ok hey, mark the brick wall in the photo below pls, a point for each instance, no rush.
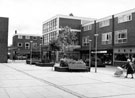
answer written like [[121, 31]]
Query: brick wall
[[3, 39]]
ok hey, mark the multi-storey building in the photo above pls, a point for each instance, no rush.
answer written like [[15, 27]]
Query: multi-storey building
[[115, 40], [24, 44], [3, 39], [113, 35], [54, 25]]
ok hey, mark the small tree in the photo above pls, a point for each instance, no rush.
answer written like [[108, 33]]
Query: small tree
[[54, 46], [66, 38]]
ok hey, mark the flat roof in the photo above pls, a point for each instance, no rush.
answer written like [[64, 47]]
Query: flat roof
[[69, 17], [28, 35]]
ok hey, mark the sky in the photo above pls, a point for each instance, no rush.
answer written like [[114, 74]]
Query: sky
[[27, 16]]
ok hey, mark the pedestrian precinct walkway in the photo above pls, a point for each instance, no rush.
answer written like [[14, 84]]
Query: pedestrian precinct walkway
[[19, 80]]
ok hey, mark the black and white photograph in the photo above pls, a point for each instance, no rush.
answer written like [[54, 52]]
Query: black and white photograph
[[67, 48]]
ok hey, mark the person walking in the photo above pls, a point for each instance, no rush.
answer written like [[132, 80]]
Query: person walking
[[130, 69]]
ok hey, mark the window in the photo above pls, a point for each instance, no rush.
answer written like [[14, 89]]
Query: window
[[85, 41], [120, 36], [27, 45], [104, 23], [27, 37], [88, 27], [20, 36], [35, 38], [125, 18], [19, 44], [107, 38], [34, 45]]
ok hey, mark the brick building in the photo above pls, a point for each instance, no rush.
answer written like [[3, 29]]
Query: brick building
[[115, 40], [24, 44], [53, 26], [3, 39]]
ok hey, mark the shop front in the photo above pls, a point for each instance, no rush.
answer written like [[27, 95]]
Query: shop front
[[122, 54]]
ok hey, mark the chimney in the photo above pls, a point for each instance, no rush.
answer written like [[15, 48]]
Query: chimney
[[15, 31], [71, 14]]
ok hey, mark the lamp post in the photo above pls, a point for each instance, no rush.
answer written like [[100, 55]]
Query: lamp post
[[96, 35], [90, 55], [40, 52], [31, 52]]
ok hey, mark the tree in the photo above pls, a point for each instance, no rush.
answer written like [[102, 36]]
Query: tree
[[54, 45], [66, 38]]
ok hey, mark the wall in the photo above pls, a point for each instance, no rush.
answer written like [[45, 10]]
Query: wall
[[3, 39]]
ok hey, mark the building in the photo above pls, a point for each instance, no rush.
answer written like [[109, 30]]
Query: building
[[115, 40], [23, 45], [53, 26], [3, 39], [112, 37]]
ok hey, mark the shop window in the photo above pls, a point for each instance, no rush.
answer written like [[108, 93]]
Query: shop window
[[121, 57]]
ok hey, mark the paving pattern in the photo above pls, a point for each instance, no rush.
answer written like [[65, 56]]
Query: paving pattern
[[19, 80]]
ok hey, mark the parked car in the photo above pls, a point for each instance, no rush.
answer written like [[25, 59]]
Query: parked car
[[99, 62]]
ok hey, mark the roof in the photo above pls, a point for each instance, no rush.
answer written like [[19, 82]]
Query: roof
[[28, 35], [70, 17]]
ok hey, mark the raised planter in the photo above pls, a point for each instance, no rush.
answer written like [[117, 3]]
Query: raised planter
[[44, 64], [33, 61], [78, 67], [61, 69]]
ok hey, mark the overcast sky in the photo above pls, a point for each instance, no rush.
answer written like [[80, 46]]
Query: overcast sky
[[27, 16]]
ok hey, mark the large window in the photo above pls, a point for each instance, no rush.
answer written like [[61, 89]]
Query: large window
[[124, 18], [120, 36], [85, 41], [107, 38], [50, 25], [88, 27], [104, 23]]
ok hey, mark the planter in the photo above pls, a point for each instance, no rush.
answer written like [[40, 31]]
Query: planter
[[33, 61], [44, 64]]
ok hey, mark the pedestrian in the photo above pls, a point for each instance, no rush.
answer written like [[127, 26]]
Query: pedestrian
[[130, 69]]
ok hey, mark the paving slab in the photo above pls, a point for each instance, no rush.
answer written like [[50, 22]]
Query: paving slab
[[43, 82]]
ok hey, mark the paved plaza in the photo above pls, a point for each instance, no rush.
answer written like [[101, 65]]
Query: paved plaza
[[19, 80]]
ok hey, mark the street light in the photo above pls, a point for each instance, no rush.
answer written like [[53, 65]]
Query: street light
[[31, 52], [40, 52], [90, 55], [96, 35]]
